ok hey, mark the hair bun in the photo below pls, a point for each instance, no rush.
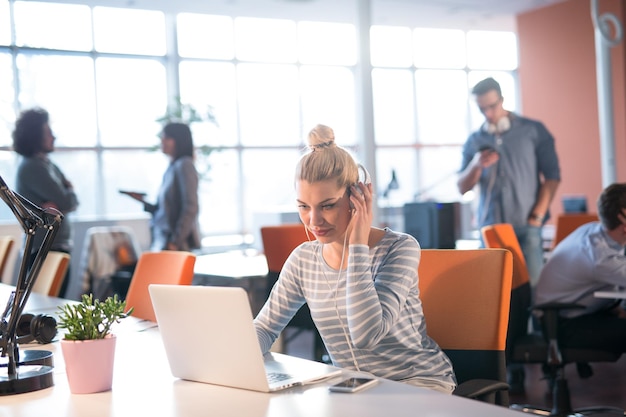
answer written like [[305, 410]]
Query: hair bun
[[321, 137]]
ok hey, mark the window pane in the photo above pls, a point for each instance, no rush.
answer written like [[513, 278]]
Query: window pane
[[205, 36], [128, 31], [438, 167], [438, 90], [80, 168], [405, 163], [131, 97], [265, 40], [269, 105], [327, 43], [391, 46], [54, 26], [5, 28], [268, 182], [328, 98], [7, 114], [8, 169], [45, 81], [220, 195], [509, 92], [204, 84], [430, 45], [394, 108], [130, 170], [482, 44]]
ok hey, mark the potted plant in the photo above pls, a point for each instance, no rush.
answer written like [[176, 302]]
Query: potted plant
[[88, 345]]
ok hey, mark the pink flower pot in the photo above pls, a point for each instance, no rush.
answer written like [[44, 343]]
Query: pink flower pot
[[89, 364]]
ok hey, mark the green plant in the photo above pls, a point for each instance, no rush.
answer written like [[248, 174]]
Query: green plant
[[91, 319], [181, 112]]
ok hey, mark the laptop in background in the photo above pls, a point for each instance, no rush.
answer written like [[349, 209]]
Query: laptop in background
[[209, 337]]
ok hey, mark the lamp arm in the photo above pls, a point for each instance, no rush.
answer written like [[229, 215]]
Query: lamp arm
[[34, 220]]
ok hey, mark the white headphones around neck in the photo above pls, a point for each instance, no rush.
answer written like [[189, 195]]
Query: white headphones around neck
[[502, 125]]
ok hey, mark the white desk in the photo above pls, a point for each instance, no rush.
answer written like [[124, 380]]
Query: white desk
[[235, 269], [143, 385], [610, 294]]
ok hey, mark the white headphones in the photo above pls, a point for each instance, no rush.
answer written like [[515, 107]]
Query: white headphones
[[502, 125]]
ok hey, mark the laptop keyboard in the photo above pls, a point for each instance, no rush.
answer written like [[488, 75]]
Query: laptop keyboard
[[273, 377]]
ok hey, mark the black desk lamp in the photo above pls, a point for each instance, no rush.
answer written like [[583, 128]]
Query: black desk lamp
[[393, 184], [33, 370]]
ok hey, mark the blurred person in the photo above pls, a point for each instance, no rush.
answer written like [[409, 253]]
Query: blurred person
[[591, 259], [514, 161], [174, 223], [40, 181]]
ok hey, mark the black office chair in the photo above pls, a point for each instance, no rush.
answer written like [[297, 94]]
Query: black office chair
[[548, 350]]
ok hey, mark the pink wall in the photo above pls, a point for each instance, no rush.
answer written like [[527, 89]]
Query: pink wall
[[559, 87]]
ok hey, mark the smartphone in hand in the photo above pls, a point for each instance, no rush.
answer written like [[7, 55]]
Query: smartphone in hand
[[353, 384]]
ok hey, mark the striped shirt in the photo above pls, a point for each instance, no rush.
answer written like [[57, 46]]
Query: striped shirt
[[374, 303]]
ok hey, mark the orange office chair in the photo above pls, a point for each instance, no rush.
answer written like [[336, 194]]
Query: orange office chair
[[465, 295], [165, 267], [278, 242], [568, 222], [503, 236], [52, 273]]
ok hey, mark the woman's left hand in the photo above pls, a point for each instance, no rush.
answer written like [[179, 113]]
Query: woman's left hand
[[361, 197]]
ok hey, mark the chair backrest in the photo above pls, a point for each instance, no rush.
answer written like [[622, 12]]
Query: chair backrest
[[52, 273], [279, 241], [465, 295], [566, 223], [6, 244], [165, 267], [106, 250], [502, 235]]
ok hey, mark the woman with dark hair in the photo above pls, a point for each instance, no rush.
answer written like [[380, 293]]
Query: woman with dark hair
[[41, 181], [175, 215]]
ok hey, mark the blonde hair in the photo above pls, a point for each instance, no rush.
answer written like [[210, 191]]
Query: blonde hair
[[325, 160]]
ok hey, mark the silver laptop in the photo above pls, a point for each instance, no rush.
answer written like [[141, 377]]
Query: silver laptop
[[209, 337]]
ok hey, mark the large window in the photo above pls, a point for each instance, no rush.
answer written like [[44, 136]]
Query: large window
[[266, 82]]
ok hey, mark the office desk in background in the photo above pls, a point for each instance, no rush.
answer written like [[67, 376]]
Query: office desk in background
[[610, 294], [143, 385], [246, 269]]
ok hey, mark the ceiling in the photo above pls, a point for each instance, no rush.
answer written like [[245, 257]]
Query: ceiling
[[461, 14]]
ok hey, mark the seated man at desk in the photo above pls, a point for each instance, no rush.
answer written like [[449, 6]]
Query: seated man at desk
[[591, 259]]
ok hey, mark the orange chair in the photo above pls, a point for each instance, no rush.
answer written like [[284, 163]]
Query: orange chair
[[52, 274], [465, 295], [502, 235], [568, 222], [165, 267], [278, 242]]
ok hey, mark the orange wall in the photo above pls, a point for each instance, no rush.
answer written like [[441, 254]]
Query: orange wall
[[558, 84]]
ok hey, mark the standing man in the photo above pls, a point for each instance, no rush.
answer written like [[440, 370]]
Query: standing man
[[514, 161]]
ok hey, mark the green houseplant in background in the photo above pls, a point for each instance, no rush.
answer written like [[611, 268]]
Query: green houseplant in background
[[88, 345]]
